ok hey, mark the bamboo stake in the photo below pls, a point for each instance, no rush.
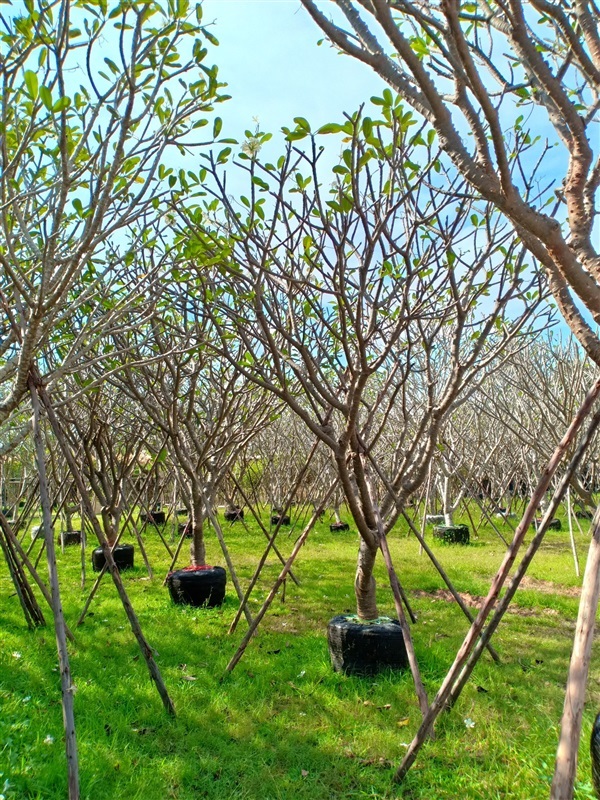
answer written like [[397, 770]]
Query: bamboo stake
[[527, 558], [571, 537], [282, 576], [272, 538], [217, 528], [34, 573], [462, 605], [395, 584], [570, 730], [470, 641], [67, 688], [145, 648], [276, 550]]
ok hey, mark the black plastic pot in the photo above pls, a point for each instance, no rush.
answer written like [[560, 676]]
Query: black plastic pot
[[234, 514], [339, 526], [198, 587], [67, 538], [553, 525], [185, 527], [154, 518], [122, 554], [595, 754], [452, 534], [365, 648], [276, 519]]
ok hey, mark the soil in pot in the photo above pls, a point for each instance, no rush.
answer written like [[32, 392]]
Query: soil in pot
[[452, 534], [122, 554], [198, 586], [67, 538], [365, 648], [339, 526]]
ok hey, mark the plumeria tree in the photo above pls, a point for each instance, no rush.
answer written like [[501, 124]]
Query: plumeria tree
[[511, 91], [372, 289]]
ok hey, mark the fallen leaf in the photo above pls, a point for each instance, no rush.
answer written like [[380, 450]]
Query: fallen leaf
[[386, 707], [189, 678], [402, 723], [304, 773]]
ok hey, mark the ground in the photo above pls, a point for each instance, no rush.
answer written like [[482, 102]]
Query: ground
[[283, 726]]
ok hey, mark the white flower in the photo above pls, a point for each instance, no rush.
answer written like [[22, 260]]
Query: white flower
[[469, 723], [16, 654], [26, 699], [49, 739], [302, 674]]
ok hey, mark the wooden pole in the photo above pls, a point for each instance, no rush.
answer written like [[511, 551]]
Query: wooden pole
[[145, 648], [67, 688], [475, 631], [571, 537], [565, 767], [282, 576]]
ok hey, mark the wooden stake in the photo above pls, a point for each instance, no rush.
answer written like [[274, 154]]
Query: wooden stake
[[474, 633], [570, 729], [145, 648], [67, 687]]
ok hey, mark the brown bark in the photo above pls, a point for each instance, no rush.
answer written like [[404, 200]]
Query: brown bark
[[364, 583]]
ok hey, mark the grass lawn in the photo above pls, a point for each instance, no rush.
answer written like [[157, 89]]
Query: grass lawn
[[283, 725]]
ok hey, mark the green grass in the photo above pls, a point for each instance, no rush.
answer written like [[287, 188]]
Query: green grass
[[283, 725]]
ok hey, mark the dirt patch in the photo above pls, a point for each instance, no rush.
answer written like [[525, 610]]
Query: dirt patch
[[547, 587], [476, 602]]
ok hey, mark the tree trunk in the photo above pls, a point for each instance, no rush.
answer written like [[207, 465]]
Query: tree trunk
[[109, 528], [570, 730], [197, 547], [364, 584], [447, 505]]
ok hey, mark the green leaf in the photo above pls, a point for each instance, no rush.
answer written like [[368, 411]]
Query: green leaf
[[223, 155], [302, 123], [331, 127], [61, 104], [31, 82], [46, 97], [217, 125]]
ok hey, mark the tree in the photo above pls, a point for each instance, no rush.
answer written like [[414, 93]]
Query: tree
[[487, 76], [82, 153], [366, 294], [82, 175]]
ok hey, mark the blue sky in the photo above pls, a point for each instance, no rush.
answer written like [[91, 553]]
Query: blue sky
[[268, 55]]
